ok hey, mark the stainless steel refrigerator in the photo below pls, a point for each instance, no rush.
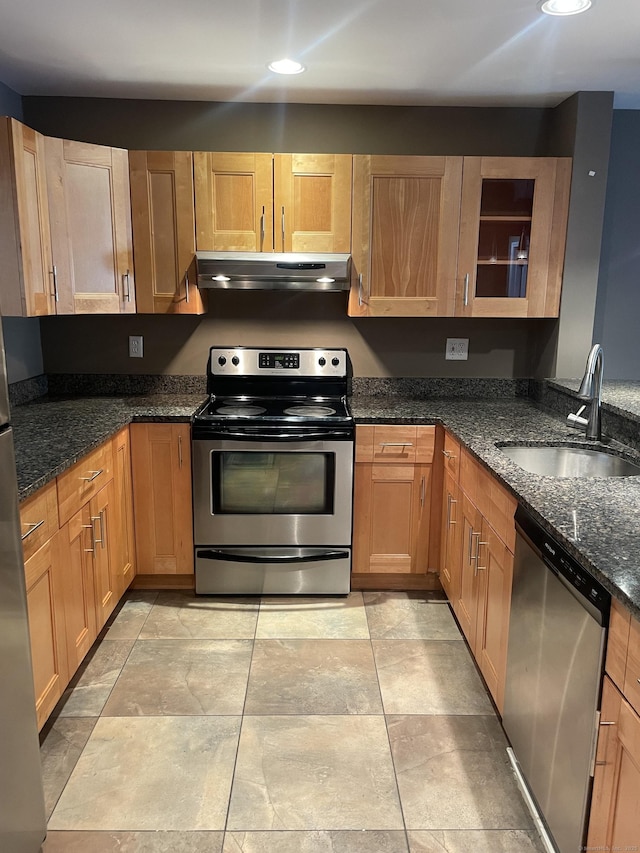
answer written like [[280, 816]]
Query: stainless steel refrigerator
[[22, 814]]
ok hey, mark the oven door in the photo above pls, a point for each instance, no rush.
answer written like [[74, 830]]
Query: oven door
[[272, 492]]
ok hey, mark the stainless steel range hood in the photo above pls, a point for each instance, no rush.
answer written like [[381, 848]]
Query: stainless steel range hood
[[273, 271]]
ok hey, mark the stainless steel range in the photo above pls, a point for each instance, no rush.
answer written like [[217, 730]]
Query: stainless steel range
[[273, 472]]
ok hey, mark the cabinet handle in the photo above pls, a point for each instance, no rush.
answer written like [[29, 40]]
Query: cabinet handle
[[262, 229], [360, 297], [127, 289], [93, 538], [422, 491], [449, 454], [475, 557], [186, 287], [450, 502], [33, 526], [466, 290], [283, 228], [478, 567], [54, 274], [97, 541], [471, 534], [93, 476], [103, 523], [603, 763], [180, 451], [396, 444]]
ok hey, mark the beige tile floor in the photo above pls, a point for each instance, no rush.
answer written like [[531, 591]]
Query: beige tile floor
[[282, 725]]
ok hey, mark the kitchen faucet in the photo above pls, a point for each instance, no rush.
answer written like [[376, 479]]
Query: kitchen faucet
[[591, 391]]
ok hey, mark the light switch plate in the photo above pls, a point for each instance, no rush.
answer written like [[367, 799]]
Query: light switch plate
[[457, 349]]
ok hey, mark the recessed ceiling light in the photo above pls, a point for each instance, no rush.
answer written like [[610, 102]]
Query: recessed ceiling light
[[286, 66], [564, 7]]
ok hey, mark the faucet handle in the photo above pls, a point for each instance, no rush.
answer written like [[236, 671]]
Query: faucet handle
[[576, 420]]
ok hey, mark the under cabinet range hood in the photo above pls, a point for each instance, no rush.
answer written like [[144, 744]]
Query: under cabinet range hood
[[273, 271]]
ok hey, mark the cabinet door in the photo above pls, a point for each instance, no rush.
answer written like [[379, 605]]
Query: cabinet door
[[76, 548], [90, 210], [466, 604], [234, 201], [405, 235], [614, 822], [161, 463], [103, 514], [164, 232], [46, 627], [495, 575], [391, 506], [450, 553], [25, 247], [513, 226], [312, 202], [123, 541]]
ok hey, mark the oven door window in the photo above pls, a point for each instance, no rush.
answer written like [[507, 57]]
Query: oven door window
[[278, 483]]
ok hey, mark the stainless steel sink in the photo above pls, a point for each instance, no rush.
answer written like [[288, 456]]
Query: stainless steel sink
[[570, 461]]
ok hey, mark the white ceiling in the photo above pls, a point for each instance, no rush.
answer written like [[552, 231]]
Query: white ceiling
[[411, 52]]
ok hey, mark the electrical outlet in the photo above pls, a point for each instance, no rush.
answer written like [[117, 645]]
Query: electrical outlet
[[135, 346], [457, 349]]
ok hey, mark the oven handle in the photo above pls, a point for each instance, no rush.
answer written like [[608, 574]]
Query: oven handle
[[247, 557], [282, 436]]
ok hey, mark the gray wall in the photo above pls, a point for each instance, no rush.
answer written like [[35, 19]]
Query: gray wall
[[396, 347], [618, 306], [21, 337]]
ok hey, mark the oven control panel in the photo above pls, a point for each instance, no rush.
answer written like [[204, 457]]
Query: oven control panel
[[246, 361]]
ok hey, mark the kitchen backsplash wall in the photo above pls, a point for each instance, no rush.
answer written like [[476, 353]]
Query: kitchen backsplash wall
[[378, 346]]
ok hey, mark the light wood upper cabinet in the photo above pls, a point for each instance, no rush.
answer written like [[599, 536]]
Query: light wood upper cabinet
[[161, 463], [405, 235], [25, 245], [234, 201], [164, 232], [513, 225], [90, 214], [253, 202], [312, 202]]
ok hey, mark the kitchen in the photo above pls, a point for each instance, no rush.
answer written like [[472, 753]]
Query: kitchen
[[378, 347]]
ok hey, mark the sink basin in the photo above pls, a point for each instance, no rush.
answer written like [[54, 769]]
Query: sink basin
[[570, 461]]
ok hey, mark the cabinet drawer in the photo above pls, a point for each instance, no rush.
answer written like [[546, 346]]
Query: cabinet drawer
[[84, 480], [632, 671], [386, 443], [451, 453], [38, 519]]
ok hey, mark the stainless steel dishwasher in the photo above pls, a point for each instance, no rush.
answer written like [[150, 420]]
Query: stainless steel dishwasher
[[555, 657]]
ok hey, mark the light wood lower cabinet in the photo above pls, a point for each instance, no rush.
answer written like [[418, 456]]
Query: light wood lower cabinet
[[161, 462], [614, 821], [123, 542], [476, 569], [76, 573], [45, 605], [392, 499], [78, 585]]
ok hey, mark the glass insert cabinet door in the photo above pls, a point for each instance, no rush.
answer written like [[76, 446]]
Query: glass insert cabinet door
[[512, 236]]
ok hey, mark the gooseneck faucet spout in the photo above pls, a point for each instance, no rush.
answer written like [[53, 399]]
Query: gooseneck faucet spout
[[591, 391]]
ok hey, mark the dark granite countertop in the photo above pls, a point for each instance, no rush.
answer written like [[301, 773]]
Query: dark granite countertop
[[595, 519], [50, 435]]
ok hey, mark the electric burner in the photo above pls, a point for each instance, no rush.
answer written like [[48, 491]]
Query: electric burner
[[309, 410], [242, 409]]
